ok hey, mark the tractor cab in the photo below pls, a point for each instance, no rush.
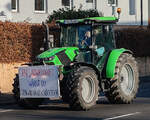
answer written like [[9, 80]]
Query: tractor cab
[[93, 36], [88, 32]]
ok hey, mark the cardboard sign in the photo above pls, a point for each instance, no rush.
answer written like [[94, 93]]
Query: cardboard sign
[[39, 82]]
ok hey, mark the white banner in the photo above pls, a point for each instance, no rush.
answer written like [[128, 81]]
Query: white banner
[[39, 82]]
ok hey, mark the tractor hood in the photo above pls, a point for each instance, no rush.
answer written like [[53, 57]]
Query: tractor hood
[[59, 56]]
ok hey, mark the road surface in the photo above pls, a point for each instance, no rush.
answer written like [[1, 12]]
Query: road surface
[[139, 110]]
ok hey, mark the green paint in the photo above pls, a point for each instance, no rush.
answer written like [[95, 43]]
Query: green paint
[[70, 52], [102, 18], [61, 21], [112, 60], [97, 19], [56, 61], [50, 52]]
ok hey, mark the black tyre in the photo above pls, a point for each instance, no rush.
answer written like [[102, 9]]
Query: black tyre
[[63, 89], [26, 103], [82, 88], [122, 89]]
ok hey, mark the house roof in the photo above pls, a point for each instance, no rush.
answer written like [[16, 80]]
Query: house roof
[[95, 19]]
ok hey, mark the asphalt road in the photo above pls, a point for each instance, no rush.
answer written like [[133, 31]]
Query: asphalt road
[[139, 110]]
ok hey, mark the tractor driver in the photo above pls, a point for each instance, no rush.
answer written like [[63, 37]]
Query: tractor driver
[[86, 42]]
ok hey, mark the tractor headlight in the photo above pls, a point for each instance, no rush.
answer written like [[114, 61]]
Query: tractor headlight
[[46, 59], [49, 58]]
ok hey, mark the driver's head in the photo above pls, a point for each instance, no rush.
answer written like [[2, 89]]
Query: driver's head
[[95, 32], [88, 34]]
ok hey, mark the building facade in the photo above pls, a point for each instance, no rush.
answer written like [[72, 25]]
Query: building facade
[[5, 10], [34, 11], [134, 12]]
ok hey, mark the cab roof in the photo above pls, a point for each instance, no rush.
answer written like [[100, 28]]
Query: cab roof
[[88, 20]]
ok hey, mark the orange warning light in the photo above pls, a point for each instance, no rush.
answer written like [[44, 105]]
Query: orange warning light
[[119, 10]]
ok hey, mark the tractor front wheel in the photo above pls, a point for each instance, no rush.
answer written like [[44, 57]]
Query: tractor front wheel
[[83, 88], [25, 103], [123, 87]]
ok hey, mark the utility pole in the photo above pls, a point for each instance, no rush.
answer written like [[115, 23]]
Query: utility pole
[[113, 5], [141, 12], [113, 10], [71, 4], [95, 4]]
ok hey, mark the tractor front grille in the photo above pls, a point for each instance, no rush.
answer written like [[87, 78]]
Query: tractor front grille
[[64, 59]]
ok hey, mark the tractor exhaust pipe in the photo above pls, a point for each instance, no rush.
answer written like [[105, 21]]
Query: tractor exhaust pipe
[[46, 37]]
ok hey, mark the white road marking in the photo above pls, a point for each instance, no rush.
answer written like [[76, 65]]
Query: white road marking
[[3, 111], [121, 116]]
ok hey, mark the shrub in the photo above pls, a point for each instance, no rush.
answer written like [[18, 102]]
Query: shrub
[[66, 13], [134, 39], [21, 42]]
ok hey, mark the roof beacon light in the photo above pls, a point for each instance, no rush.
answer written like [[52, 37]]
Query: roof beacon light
[[119, 12]]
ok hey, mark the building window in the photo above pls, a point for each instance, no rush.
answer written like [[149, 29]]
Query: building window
[[65, 2], [113, 2], [89, 1], [40, 6], [132, 7], [14, 5]]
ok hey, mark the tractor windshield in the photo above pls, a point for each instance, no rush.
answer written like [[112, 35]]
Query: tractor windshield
[[84, 35], [75, 35]]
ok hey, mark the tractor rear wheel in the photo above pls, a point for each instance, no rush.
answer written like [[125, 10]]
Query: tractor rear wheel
[[83, 88], [122, 89], [25, 103]]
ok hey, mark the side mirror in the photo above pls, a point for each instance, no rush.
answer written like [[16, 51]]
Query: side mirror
[[51, 41], [42, 49]]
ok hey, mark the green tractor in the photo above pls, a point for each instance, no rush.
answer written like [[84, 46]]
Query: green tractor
[[86, 63]]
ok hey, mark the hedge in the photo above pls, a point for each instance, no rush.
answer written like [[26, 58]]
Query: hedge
[[136, 39], [21, 42]]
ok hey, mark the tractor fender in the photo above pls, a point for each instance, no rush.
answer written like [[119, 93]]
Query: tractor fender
[[112, 60], [89, 65]]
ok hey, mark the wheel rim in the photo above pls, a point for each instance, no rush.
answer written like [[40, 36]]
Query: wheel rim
[[127, 79], [88, 89]]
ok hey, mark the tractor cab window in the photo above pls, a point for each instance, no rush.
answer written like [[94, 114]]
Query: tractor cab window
[[69, 36], [83, 36], [97, 36], [84, 33], [108, 37], [103, 36], [79, 36]]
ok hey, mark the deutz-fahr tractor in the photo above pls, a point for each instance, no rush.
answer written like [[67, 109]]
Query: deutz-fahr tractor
[[86, 63]]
